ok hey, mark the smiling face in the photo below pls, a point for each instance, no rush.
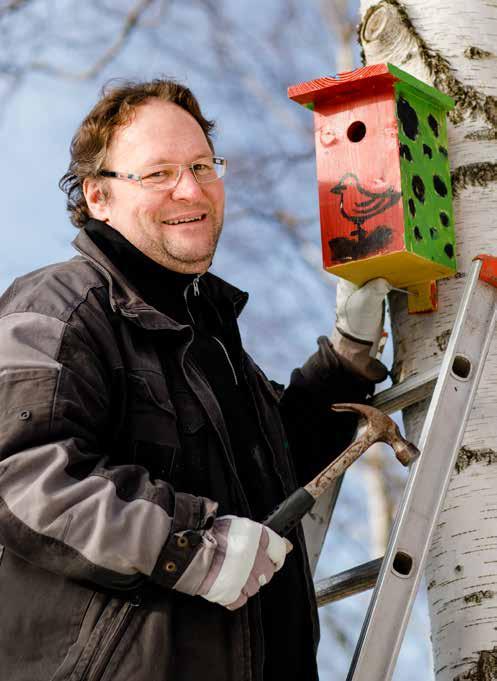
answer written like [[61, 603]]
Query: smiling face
[[178, 228]]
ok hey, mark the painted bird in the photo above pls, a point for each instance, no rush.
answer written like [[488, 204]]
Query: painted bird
[[350, 190]]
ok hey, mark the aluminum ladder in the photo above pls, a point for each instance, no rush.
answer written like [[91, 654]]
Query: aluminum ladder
[[453, 387]]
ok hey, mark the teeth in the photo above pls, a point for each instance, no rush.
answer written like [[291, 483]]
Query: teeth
[[178, 222]]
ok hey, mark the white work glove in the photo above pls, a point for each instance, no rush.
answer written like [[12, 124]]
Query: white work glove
[[360, 310], [360, 315], [246, 556]]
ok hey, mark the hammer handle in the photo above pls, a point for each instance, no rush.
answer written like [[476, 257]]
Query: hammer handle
[[290, 512]]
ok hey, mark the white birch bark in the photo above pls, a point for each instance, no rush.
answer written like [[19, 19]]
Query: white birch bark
[[453, 45]]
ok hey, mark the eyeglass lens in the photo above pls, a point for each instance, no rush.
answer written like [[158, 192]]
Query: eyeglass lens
[[168, 174]]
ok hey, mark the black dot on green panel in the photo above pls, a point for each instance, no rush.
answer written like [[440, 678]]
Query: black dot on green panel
[[417, 234], [427, 151], [412, 207], [439, 185], [405, 152], [433, 233], [408, 117], [444, 218], [449, 250], [432, 122], [443, 151], [418, 188]]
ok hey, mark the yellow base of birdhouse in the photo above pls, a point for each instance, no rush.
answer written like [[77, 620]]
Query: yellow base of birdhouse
[[402, 270]]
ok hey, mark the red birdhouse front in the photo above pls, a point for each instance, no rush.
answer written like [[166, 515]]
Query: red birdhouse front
[[383, 177], [359, 184]]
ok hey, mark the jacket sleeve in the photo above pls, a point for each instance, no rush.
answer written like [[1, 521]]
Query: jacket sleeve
[[63, 506], [316, 434]]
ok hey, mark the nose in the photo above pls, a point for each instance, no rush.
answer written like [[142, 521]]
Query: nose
[[187, 188]]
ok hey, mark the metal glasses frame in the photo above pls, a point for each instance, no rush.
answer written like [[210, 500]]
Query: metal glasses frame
[[120, 175]]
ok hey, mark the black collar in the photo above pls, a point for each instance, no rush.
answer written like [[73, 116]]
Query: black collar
[[126, 268]]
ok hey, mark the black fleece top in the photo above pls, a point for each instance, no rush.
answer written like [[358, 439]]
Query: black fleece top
[[217, 351]]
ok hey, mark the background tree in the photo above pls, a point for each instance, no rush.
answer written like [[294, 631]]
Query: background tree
[[452, 46], [238, 56]]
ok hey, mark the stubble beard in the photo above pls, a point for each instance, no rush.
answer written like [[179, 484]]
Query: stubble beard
[[175, 256]]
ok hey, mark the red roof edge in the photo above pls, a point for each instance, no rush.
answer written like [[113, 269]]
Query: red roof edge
[[351, 81]]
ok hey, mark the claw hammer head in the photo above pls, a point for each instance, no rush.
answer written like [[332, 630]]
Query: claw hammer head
[[381, 428]]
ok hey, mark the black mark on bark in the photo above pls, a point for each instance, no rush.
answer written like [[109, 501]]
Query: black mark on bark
[[443, 340], [477, 53], [468, 456], [479, 596], [484, 669]]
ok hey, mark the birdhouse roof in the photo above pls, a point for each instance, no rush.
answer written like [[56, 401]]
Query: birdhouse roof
[[313, 92]]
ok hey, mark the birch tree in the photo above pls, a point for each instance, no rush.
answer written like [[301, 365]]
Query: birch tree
[[452, 45]]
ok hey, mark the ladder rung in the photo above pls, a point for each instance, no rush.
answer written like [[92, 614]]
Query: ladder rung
[[410, 391], [348, 583]]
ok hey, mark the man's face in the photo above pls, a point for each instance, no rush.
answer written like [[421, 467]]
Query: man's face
[[163, 132]]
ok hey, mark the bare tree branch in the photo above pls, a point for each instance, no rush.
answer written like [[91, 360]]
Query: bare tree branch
[[12, 6], [130, 24]]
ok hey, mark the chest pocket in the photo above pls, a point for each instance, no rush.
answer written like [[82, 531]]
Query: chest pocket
[[192, 468], [151, 425]]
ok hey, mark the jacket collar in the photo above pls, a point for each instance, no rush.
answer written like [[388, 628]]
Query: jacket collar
[[127, 301]]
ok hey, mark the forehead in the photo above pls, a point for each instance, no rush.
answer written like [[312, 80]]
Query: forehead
[[158, 132]]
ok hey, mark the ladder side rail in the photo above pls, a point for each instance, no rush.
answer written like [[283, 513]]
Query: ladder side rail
[[386, 620]]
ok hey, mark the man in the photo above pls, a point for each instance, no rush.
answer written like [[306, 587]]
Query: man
[[140, 446]]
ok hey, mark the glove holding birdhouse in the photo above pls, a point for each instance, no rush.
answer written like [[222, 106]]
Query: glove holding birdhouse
[[384, 179], [360, 315]]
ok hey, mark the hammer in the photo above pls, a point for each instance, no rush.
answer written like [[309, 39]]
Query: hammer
[[379, 428]]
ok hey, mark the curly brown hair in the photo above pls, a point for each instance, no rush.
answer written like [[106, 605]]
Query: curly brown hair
[[114, 109]]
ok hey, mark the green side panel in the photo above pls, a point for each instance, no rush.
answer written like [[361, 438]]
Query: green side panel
[[310, 106], [425, 177], [438, 98]]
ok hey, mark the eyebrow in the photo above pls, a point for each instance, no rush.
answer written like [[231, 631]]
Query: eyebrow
[[160, 161]]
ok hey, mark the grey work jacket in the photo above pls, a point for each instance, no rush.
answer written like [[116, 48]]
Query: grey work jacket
[[94, 531]]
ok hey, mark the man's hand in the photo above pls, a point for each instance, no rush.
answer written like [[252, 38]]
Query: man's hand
[[360, 315], [360, 310], [246, 557]]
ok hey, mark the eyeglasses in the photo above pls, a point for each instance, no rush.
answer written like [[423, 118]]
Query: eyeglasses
[[167, 175]]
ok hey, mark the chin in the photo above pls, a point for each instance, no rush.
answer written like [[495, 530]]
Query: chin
[[190, 263]]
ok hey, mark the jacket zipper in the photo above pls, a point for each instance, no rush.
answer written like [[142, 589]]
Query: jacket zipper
[[196, 292], [227, 357], [224, 444], [102, 655]]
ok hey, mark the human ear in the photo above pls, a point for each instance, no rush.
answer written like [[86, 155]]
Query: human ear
[[97, 198]]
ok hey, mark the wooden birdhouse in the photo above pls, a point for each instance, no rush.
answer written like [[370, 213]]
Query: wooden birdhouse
[[384, 179]]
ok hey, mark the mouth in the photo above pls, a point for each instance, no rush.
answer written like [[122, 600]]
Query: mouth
[[185, 219]]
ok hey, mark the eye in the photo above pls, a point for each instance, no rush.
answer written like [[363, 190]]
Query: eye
[[203, 166], [160, 175]]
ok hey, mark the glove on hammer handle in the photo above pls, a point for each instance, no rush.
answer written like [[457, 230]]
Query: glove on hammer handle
[[290, 512]]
